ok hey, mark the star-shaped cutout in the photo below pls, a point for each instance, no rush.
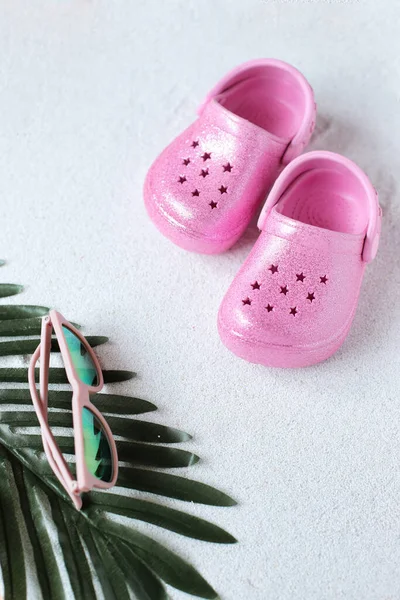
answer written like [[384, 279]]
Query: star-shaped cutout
[[269, 308], [324, 279], [246, 301], [227, 167], [293, 311], [196, 193], [206, 156], [213, 204], [204, 172], [186, 161], [195, 144], [311, 296], [256, 285], [273, 269], [223, 189], [300, 277], [284, 289], [182, 179]]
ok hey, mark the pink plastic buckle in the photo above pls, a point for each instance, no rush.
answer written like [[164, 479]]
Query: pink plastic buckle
[[371, 243]]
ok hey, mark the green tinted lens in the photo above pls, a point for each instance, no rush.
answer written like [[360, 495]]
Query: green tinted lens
[[81, 359], [96, 447]]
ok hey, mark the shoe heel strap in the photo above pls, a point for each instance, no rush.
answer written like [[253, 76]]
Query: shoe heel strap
[[312, 160], [242, 72]]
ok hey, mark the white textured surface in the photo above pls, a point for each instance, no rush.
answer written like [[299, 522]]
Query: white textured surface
[[91, 91]]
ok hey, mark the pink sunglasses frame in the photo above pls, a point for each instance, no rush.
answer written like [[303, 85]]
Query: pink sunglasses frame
[[84, 481]]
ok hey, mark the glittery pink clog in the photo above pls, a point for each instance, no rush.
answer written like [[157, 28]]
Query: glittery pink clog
[[204, 188], [293, 301]]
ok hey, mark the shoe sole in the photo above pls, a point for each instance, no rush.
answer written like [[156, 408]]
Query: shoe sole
[[271, 355]]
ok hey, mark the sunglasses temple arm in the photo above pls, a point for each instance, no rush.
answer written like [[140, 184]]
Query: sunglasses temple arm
[[67, 483], [54, 456], [45, 345]]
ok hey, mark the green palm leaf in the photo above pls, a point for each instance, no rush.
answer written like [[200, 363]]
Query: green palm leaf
[[62, 399], [114, 579], [16, 327], [10, 289], [128, 452], [21, 347], [11, 557], [22, 327], [138, 431], [21, 311], [100, 546], [172, 486], [166, 517], [143, 582], [12, 375]]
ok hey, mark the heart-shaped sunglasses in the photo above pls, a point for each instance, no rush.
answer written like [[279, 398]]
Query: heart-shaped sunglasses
[[95, 449]]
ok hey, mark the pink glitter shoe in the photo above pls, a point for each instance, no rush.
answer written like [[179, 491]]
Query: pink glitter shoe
[[205, 187], [293, 301]]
